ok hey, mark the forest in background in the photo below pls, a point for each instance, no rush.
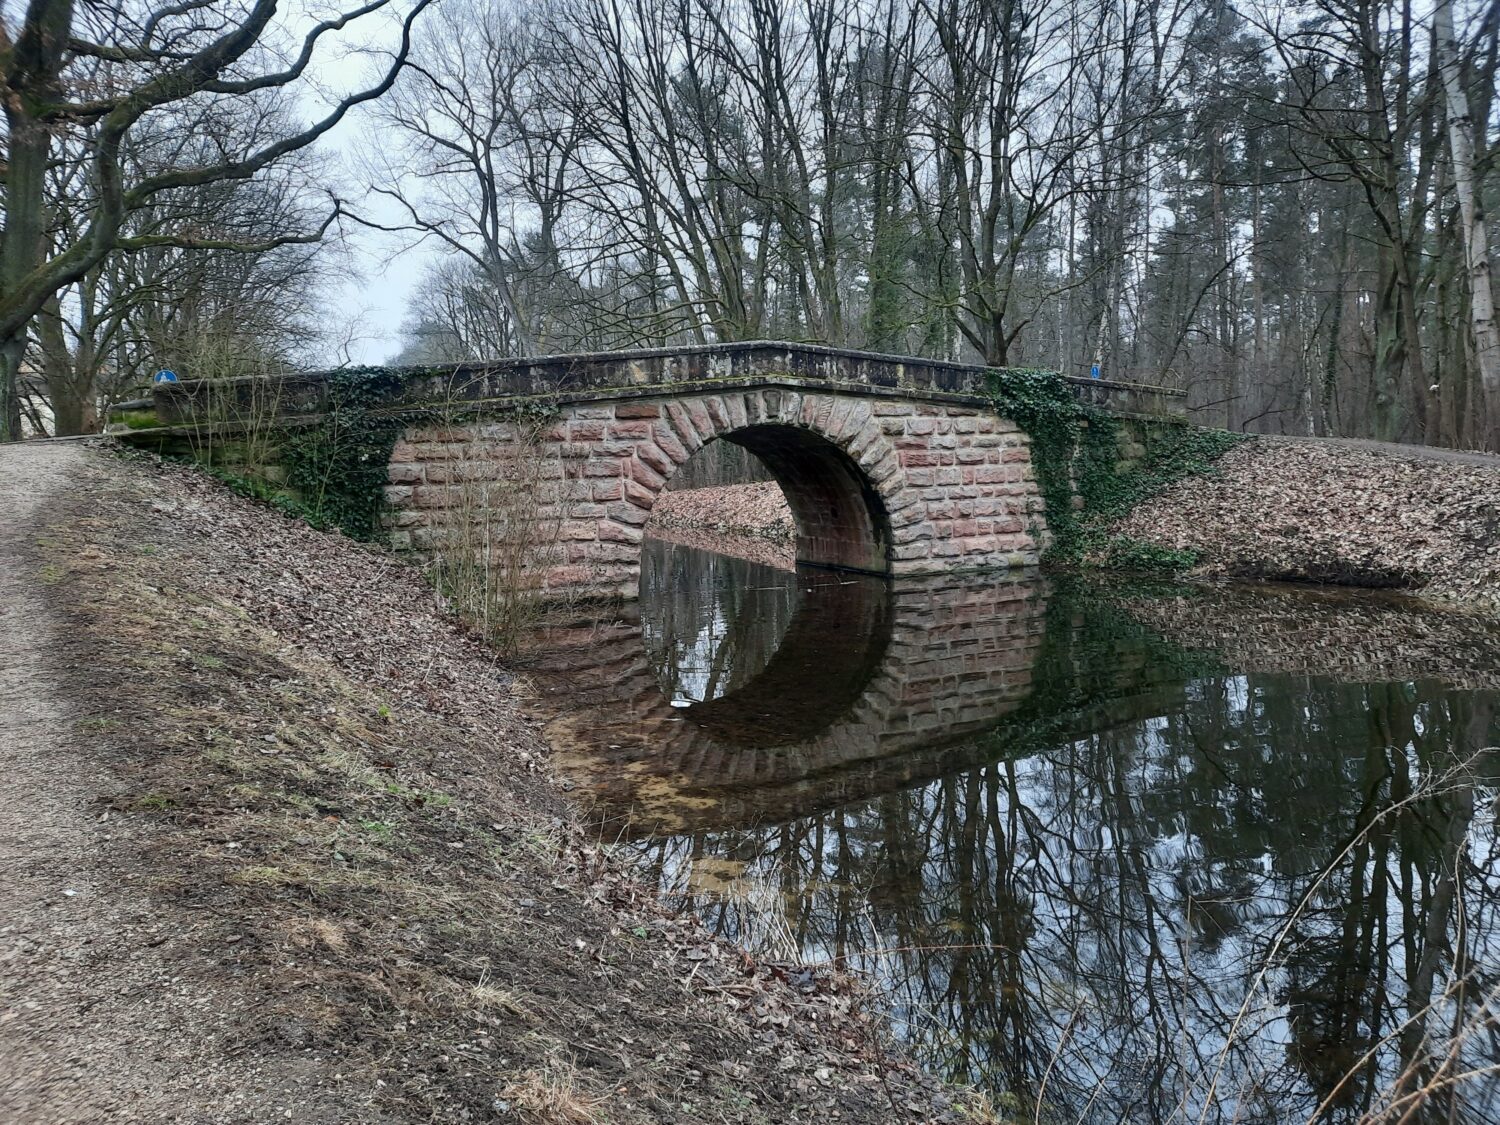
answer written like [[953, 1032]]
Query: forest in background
[[1277, 207], [1262, 204]]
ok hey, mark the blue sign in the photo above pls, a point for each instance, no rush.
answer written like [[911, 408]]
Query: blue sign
[[164, 376], [1093, 371]]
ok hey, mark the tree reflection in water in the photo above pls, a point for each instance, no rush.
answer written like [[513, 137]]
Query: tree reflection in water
[[1162, 887]]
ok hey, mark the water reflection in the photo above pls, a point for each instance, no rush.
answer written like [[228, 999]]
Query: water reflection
[[1138, 855]]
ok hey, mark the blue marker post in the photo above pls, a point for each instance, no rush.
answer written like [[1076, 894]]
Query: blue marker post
[[1094, 371], [165, 375]]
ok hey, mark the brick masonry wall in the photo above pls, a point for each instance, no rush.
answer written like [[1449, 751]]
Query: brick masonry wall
[[883, 484]]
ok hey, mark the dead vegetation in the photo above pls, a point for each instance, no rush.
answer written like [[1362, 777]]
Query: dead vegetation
[[758, 510], [1326, 512], [334, 781]]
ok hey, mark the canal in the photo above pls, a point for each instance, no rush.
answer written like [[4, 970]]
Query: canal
[[1155, 853]]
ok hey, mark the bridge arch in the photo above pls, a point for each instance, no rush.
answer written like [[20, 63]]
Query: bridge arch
[[840, 514], [883, 483]]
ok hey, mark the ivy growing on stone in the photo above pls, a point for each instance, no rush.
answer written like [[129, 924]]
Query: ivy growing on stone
[[337, 467], [1075, 450]]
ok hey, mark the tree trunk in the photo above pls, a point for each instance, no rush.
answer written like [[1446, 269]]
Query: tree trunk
[[31, 81], [1461, 144], [69, 379]]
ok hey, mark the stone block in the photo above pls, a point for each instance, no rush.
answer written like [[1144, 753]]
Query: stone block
[[612, 532], [629, 410], [430, 496], [646, 476], [703, 424], [408, 473], [633, 430], [670, 444], [651, 455], [737, 410], [585, 431], [578, 529], [630, 514], [682, 427]]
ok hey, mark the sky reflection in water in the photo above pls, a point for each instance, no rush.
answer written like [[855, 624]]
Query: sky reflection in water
[[1184, 854]]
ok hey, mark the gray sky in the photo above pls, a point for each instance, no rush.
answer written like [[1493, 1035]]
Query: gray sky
[[382, 272]]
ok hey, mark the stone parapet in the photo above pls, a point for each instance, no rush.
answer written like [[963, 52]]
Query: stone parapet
[[573, 376]]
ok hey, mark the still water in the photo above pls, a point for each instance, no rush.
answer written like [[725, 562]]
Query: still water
[[1113, 853]]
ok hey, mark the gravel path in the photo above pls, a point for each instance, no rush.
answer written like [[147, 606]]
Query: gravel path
[[103, 1014], [54, 911], [1396, 449]]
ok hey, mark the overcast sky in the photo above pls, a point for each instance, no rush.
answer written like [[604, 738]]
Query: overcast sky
[[378, 288]]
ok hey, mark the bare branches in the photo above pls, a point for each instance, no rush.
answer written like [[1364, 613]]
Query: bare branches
[[98, 90]]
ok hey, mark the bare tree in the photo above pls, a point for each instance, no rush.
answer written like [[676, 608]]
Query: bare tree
[[139, 62]]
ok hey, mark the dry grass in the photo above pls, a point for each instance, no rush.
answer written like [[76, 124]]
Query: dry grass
[[551, 1096]]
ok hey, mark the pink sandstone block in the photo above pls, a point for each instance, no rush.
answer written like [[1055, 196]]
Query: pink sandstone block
[[585, 431], [718, 413], [645, 475], [697, 412], [650, 454], [633, 430], [670, 444], [682, 426]]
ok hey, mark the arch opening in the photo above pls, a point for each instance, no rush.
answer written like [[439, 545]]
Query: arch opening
[[841, 520]]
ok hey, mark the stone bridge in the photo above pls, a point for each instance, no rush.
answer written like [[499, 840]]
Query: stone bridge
[[890, 465]]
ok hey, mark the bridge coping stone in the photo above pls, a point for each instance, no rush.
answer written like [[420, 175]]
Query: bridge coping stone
[[647, 371]]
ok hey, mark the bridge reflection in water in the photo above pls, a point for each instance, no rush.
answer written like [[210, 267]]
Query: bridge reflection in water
[[1190, 855]]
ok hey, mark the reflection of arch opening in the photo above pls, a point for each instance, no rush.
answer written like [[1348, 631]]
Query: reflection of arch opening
[[841, 519], [827, 635], [819, 670]]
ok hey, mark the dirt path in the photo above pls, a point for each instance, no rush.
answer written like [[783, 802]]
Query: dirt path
[[53, 907], [100, 1015]]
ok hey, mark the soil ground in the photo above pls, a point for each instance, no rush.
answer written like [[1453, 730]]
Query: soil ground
[[281, 845]]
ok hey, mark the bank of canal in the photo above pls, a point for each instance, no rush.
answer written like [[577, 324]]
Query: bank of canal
[[1138, 853]]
